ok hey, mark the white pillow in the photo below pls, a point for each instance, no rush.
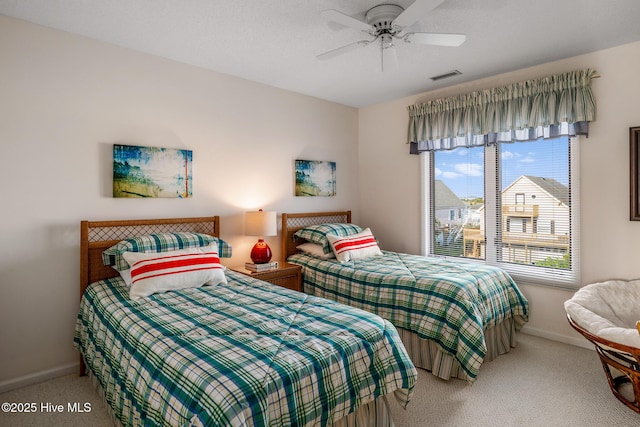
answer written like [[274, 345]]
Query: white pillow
[[126, 276], [315, 250], [355, 246], [166, 271]]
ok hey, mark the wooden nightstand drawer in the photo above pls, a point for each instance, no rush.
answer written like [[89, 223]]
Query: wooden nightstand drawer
[[286, 275]]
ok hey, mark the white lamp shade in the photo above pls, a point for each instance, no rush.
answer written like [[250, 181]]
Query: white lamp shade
[[260, 223]]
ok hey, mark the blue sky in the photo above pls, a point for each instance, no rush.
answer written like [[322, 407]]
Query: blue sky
[[462, 170]]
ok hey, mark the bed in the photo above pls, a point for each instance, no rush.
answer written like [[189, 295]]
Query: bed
[[451, 316], [237, 351]]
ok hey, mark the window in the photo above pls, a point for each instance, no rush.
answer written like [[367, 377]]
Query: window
[[517, 205]]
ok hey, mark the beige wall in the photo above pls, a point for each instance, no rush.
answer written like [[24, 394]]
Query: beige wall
[[390, 178], [64, 100]]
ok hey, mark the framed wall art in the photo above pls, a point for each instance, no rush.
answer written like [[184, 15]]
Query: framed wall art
[[152, 172], [315, 178], [634, 171]]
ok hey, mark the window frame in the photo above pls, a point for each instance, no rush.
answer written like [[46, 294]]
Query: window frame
[[524, 274]]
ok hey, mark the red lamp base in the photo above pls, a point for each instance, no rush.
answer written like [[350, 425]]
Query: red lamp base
[[261, 252]]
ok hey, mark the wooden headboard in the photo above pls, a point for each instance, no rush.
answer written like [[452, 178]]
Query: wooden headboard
[[96, 236], [292, 222]]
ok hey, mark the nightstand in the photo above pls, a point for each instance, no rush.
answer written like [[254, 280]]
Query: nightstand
[[286, 275]]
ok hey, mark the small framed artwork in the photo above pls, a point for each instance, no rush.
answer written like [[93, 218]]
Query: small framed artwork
[[315, 178], [634, 154], [152, 172]]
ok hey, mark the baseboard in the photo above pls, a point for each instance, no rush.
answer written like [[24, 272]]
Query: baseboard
[[577, 341], [38, 377]]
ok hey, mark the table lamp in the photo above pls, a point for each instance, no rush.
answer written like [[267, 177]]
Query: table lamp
[[260, 224]]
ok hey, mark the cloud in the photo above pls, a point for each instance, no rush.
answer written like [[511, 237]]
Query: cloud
[[450, 175], [527, 159], [506, 155], [469, 169]]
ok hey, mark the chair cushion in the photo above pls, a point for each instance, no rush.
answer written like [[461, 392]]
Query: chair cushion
[[609, 310]]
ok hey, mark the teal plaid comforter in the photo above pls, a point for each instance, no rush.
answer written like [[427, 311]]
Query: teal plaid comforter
[[245, 353], [451, 303]]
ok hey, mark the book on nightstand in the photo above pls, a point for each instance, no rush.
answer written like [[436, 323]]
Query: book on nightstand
[[261, 267]]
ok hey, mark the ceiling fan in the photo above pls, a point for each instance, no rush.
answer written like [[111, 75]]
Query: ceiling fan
[[386, 22]]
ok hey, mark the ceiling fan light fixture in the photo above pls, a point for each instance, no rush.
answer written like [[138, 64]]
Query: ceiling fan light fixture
[[386, 41], [446, 75]]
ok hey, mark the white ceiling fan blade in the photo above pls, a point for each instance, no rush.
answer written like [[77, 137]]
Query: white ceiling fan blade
[[344, 49], [418, 10], [332, 15], [436, 39]]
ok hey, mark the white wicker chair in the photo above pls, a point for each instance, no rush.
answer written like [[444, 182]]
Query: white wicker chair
[[606, 313]]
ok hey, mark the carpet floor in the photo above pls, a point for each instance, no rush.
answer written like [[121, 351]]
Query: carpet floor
[[539, 383]]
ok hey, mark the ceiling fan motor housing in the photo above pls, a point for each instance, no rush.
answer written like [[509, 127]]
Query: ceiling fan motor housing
[[381, 18]]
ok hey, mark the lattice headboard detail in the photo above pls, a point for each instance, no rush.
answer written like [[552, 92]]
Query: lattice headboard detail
[[97, 234], [295, 221]]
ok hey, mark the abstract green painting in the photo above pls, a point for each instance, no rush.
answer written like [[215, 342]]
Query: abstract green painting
[[315, 178], [152, 172]]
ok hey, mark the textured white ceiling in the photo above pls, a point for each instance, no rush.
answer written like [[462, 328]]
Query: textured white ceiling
[[275, 42]]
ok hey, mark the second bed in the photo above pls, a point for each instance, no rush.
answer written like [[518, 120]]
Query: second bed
[[452, 316]]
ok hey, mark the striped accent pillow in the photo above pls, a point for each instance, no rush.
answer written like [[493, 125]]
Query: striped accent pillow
[[318, 233], [355, 246], [166, 271]]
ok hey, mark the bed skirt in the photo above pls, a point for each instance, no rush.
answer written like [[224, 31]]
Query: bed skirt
[[372, 414], [427, 354]]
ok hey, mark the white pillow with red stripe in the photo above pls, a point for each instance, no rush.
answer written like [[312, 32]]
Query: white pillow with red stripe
[[355, 246], [166, 271]]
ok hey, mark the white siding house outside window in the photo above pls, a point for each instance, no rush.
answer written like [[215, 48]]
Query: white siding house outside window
[[518, 208]]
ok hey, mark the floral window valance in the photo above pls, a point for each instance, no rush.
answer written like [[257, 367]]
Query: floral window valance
[[562, 104]]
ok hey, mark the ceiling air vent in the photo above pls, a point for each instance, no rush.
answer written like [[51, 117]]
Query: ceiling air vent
[[445, 75]]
